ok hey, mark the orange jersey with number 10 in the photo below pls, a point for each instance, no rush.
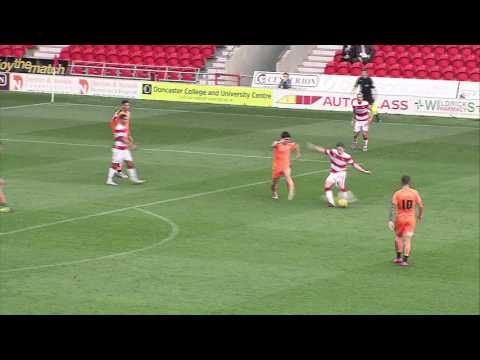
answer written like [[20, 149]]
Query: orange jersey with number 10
[[406, 201]]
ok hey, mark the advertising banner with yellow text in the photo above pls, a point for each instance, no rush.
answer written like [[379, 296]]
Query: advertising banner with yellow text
[[228, 95]]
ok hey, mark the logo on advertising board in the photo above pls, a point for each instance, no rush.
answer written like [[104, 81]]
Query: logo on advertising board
[[3, 81], [451, 106], [84, 86], [146, 89], [17, 83], [272, 79], [33, 66]]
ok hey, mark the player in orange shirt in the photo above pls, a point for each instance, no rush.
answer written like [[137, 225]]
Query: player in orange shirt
[[281, 164], [124, 110], [404, 203]]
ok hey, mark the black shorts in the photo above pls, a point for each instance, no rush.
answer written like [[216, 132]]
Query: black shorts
[[368, 98]]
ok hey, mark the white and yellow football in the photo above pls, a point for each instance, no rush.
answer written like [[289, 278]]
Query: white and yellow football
[[342, 203]]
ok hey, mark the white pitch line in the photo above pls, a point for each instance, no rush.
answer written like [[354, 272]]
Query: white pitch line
[[270, 116], [172, 235], [22, 106], [153, 149], [40, 226]]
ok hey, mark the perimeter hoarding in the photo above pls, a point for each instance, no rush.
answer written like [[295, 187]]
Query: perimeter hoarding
[[227, 95], [389, 104]]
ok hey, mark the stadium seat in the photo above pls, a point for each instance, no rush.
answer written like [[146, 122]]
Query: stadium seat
[[430, 59], [381, 70], [329, 70], [391, 58], [435, 73], [426, 49], [386, 48], [443, 60], [421, 72], [474, 74], [113, 58], [466, 50], [404, 59], [100, 57], [471, 61], [448, 73], [395, 71], [439, 50], [461, 73], [452, 50], [343, 68], [417, 59], [457, 61], [413, 49]]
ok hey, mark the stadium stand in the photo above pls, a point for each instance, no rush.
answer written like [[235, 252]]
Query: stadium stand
[[440, 62], [170, 62], [14, 50]]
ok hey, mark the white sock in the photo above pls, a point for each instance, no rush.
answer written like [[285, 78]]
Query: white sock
[[365, 143], [133, 174], [329, 195], [111, 172]]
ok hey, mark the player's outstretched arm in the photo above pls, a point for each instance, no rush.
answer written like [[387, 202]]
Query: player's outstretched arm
[[316, 148], [299, 155], [361, 169]]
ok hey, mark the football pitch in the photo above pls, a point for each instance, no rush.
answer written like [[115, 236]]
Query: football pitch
[[203, 236]]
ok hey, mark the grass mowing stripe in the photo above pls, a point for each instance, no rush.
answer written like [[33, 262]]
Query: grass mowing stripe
[[153, 149], [267, 116], [22, 106], [192, 196]]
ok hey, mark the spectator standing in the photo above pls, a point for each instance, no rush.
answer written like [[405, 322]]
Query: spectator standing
[[348, 53], [363, 53], [285, 83]]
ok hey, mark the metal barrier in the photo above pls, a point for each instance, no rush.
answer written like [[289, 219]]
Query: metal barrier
[[151, 73]]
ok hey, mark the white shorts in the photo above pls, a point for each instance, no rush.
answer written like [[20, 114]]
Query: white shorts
[[119, 156], [338, 179], [360, 126]]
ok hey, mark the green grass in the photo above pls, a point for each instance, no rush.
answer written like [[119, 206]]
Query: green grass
[[237, 251]]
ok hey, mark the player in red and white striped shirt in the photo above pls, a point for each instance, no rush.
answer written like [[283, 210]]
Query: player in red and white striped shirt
[[339, 160], [362, 118], [121, 152]]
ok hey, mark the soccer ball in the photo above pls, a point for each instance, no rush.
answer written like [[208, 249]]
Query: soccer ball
[[342, 203]]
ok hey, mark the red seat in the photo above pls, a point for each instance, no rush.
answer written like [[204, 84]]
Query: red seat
[[173, 76], [194, 50], [421, 72], [198, 63], [457, 61], [413, 49], [474, 74], [188, 77], [113, 58], [356, 69], [409, 71], [395, 71], [88, 56], [404, 59], [18, 52], [439, 49], [471, 61], [448, 73], [417, 59], [121, 48], [207, 52], [399, 49], [170, 49], [148, 60], [161, 61], [111, 72], [134, 48], [426, 49], [378, 58], [466, 50], [7, 52], [100, 57], [435, 73], [159, 75], [343, 68], [329, 70], [75, 56], [430, 59], [338, 57], [452, 50], [391, 58], [381, 70], [443, 60], [387, 48], [461, 73]]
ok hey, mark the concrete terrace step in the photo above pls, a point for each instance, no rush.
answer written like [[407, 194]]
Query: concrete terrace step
[[329, 53], [314, 64], [329, 47], [310, 70], [320, 58]]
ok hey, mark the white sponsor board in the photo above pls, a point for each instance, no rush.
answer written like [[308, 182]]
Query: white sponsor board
[[386, 86], [270, 80], [390, 104], [76, 85]]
